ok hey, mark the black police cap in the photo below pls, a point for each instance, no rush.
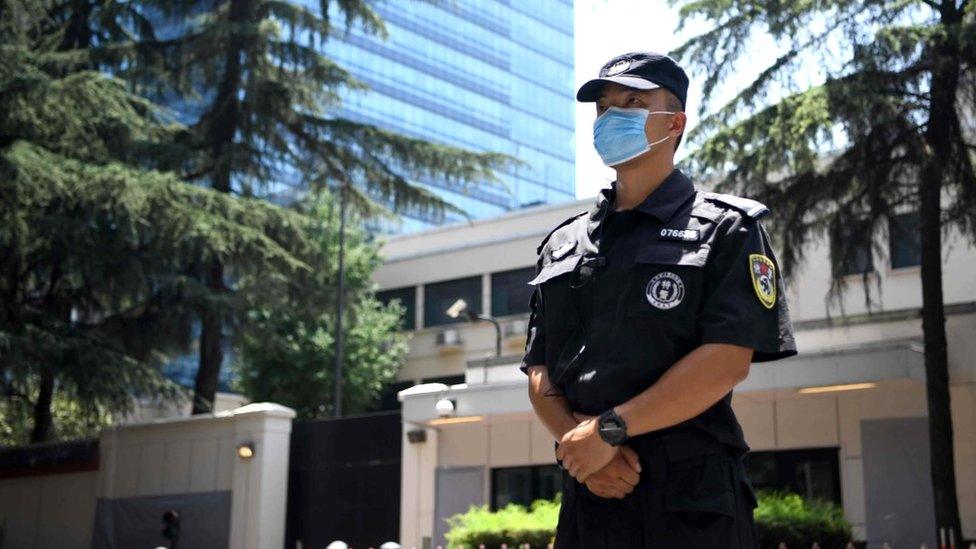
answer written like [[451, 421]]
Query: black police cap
[[641, 70]]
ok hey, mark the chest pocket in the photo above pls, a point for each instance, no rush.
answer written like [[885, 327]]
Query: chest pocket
[[666, 281]]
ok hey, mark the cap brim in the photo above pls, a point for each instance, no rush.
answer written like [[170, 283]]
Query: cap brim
[[591, 90]]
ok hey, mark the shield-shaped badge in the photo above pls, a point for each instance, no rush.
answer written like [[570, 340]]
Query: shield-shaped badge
[[618, 67], [763, 273]]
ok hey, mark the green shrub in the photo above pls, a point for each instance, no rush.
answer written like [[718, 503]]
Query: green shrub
[[780, 518], [787, 518], [512, 524]]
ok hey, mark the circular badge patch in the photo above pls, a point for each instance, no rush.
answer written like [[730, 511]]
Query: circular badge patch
[[665, 290]]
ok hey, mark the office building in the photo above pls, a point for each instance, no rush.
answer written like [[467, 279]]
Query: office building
[[484, 75]]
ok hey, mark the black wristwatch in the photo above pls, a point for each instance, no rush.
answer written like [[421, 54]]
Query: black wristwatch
[[612, 428]]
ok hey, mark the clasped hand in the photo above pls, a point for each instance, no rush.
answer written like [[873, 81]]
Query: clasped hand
[[608, 471]]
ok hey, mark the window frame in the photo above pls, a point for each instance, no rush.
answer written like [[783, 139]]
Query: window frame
[[530, 271], [784, 459], [410, 314], [534, 481], [892, 223]]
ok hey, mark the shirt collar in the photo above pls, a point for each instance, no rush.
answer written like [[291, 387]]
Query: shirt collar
[[662, 203]]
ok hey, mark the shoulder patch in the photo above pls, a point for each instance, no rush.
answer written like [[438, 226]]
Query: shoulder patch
[[748, 206], [763, 272], [566, 221]]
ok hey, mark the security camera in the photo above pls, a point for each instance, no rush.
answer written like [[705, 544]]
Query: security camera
[[457, 308]]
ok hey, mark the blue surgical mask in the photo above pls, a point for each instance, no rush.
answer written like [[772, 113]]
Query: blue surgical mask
[[618, 134]]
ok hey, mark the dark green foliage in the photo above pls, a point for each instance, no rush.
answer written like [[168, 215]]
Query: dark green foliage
[[787, 518], [512, 525], [100, 256], [780, 518]]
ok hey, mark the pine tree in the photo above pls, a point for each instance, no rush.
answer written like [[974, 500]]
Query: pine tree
[[895, 112], [267, 94], [100, 255]]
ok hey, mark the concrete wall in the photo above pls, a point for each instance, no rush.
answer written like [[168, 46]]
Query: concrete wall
[[188, 463], [198, 455], [48, 511]]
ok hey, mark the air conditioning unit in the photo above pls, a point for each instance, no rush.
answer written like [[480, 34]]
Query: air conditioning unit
[[515, 328], [449, 338]]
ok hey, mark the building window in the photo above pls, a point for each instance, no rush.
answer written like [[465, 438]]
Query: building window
[[859, 260], [904, 240], [438, 297], [812, 473], [446, 380], [510, 291], [523, 485], [408, 298]]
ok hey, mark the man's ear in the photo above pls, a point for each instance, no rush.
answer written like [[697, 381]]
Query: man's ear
[[678, 122]]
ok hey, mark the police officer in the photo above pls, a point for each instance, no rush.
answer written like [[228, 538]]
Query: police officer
[[647, 309]]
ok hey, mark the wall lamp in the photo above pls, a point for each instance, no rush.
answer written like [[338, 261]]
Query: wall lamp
[[245, 450]]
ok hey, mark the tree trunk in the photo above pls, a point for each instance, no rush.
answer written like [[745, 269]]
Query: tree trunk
[[337, 391], [220, 135], [945, 81], [43, 422], [211, 353]]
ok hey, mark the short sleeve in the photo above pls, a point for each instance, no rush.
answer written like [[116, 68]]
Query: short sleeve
[[535, 343], [744, 300]]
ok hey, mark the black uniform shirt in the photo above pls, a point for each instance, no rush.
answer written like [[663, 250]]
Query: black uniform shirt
[[620, 297]]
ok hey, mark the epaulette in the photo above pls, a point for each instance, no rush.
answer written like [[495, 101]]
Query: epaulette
[[567, 221], [748, 206]]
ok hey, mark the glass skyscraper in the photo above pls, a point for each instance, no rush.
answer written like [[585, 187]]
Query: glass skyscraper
[[486, 75]]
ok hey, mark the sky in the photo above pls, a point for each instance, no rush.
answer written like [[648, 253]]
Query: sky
[[606, 28]]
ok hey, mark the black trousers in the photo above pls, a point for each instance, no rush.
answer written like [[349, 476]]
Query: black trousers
[[699, 501]]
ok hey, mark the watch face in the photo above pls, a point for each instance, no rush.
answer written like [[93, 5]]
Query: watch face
[[611, 430]]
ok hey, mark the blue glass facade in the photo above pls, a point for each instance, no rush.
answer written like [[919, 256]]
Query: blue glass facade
[[486, 75]]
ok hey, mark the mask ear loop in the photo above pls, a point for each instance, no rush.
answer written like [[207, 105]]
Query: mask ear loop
[[666, 137]]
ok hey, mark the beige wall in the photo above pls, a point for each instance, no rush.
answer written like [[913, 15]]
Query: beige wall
[[199, 454], [184, 455], [49, 511]]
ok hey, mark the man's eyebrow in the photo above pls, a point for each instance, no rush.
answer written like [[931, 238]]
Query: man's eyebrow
[[630, 93]]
